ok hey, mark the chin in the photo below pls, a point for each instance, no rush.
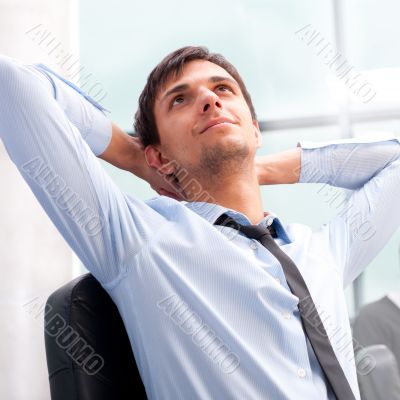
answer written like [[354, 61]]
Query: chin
[[232, 139], [231, 148]]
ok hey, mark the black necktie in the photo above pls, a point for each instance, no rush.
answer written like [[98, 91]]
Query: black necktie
[[311, 320]]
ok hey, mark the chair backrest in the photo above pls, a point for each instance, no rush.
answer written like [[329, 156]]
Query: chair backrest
[[377, 373], [88, 352]]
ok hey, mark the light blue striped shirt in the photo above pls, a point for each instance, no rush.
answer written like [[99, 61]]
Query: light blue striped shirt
[[208, 312]]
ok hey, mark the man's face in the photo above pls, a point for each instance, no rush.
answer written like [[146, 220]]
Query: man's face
[[204, 121]]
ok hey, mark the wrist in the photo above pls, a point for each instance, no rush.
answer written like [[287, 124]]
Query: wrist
[[125, 152], [135, 161], [263, 169], [280, 168]]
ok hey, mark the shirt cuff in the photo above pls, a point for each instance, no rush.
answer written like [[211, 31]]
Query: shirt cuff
[[82, 110], [317, 161], [314, 162], [99, 135]]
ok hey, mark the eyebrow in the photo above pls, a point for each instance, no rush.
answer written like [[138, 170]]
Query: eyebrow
[[184, 86]]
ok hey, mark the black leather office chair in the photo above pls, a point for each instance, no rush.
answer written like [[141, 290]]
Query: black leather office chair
[[89, 356]]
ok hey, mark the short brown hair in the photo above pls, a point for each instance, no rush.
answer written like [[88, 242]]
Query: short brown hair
[[145, 123]]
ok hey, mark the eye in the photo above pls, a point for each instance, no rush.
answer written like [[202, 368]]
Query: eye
[[224, 88], [177, 100]]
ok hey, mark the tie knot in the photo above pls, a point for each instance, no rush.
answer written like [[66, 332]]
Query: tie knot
[[251, 231]]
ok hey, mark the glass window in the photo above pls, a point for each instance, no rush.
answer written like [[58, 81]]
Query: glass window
[[122, 41]]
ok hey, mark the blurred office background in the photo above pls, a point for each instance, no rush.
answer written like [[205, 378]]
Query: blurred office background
[[298, 95]]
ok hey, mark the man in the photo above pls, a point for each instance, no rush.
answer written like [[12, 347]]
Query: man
[[208, 310]]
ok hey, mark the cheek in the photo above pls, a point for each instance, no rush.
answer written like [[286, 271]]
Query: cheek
[[176, 131], [180, 143], [179, 131]]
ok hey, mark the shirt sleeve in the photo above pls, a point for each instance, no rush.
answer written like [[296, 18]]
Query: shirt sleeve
[[368, 215], [81, 110], [45, 140]]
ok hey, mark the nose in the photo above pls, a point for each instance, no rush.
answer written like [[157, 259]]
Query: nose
[[209, 102]]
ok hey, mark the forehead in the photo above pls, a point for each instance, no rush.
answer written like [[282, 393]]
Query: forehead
[[194, 72]]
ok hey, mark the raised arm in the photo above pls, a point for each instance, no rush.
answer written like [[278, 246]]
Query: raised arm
[[116, 147], [54, 149], [369, 216], [370, 169]]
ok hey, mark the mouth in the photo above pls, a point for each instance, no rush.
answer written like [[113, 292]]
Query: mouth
[[217, 122]]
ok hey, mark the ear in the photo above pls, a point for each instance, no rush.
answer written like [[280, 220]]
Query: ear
[[257, 133], [155, 158]]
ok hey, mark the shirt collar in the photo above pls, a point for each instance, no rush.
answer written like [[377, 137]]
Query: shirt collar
[[211, 212]]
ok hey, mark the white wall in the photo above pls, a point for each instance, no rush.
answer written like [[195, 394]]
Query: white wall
[[35, 260]]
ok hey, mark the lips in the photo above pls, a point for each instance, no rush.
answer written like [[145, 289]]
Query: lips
[[216, 121]]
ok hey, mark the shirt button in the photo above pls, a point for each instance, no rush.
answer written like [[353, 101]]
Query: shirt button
[[253, 245], [301, 372], [286, 315], [278, 280]]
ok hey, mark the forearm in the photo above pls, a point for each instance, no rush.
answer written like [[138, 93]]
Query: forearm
[[80, 109], [346, 163], [104, 138], [125, 152], [279, 168]]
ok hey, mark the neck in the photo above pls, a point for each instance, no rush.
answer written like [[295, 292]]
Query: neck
[[240, 193]]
